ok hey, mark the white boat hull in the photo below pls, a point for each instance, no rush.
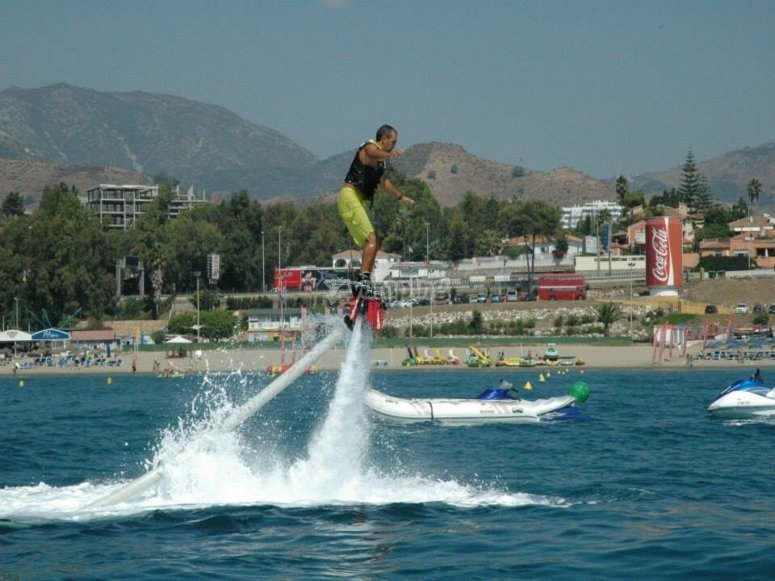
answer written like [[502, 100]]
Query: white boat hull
[[453, 410], [744, 404]]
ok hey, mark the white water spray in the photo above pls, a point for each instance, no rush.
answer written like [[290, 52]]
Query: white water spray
[[339, 444], [199, 464], [232, 420]]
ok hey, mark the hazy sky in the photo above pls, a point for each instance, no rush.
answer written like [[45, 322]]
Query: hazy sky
[[607, 87]]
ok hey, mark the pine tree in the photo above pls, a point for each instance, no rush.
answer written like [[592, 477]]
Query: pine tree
[[704, 199], [689, 190]]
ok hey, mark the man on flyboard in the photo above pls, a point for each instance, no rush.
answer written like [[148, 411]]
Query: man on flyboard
[[367, 172]]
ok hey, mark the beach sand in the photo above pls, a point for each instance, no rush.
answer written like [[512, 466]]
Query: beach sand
[[257, 360]]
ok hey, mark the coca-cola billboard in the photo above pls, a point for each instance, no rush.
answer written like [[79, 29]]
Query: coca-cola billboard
[[664, 255]]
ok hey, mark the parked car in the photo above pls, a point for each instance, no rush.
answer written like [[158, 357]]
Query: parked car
[[441, 299], [741, 308], [710, 309], [757, 308], [401, 304], [495, 298], [479, 298], [512, 296], [771, 310]]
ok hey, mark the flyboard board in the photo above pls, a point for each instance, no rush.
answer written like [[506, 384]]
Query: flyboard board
[[370, 307]]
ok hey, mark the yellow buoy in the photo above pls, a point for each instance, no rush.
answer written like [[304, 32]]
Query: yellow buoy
[[527, 386], [541, 377], [110, 380], [21, 383]]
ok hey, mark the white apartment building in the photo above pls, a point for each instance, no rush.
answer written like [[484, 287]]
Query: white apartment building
[[118, 206], [572, 215]]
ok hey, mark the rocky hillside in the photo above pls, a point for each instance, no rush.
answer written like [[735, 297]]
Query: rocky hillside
[[151, 134], [451, 172], [33, 176], [82, 137]]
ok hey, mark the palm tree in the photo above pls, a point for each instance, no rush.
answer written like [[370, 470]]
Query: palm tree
[[621, 189], [607, 314], [754, 189]]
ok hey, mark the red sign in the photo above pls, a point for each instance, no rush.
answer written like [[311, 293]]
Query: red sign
[[287, 279], [664, 255]]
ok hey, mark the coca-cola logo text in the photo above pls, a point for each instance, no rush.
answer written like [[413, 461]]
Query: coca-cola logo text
[[660, 244]]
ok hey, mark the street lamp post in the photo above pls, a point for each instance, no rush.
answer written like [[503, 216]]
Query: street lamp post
[[427, 245], [17, 324], [197, 274], [279, 247], [632, 266], [749, 238], [428, 274], [748, 241], [280, 279], [433, 298], [263, 264]]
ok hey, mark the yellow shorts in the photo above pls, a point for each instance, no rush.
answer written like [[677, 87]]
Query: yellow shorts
[[352, 209]]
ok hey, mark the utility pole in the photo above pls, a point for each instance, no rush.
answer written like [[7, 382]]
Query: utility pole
[[197, 274], [263, 264], [632, 266], [427, 245]]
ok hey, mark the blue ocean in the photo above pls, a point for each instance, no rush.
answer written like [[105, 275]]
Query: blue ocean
[[313, 486]]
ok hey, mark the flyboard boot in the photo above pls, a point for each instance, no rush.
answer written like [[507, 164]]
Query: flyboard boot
[[365, 302]]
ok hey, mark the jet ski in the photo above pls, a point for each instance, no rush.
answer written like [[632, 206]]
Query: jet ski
[[745, 398]]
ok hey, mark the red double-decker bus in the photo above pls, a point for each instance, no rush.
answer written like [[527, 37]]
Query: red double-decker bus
[[562, 286]]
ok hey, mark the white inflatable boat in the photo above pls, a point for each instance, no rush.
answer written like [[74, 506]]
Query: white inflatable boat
[[492, 405]]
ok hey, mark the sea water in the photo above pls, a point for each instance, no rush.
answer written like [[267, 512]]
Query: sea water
[[314, 486]]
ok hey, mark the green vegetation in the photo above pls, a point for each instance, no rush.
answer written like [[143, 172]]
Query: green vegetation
[[607, 315], [58, 265]]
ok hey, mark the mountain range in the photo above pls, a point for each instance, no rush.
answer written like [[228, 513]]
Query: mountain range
[[82, 137]]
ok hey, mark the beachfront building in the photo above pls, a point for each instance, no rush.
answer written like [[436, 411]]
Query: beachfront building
[[351, 260], [572, 215], [754, 238], [761, 250], [119, 206], [266, 325], [96, 341]]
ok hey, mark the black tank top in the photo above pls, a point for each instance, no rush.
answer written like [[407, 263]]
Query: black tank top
[[363, 177]]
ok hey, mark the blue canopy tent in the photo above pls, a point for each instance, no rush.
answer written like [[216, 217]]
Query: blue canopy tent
[[51, 336]]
